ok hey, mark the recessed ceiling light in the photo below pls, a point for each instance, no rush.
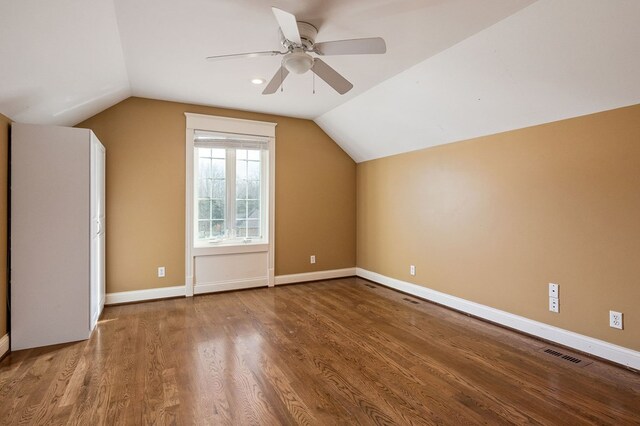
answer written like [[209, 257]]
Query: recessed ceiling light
[[257, 80]]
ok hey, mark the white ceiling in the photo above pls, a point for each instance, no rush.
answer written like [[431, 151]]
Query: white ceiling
[[454, 69], [61, 61], [164, 43], [555, 59]]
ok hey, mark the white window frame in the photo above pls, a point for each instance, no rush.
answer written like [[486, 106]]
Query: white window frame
[[242, 127], [230, 198]]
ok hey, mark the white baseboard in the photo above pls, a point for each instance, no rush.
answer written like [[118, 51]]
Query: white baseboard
[[230, 285], [165, 292], [189, 286], [272, 277], [141, 295], [315, 276], [599, 348], [4, 345]]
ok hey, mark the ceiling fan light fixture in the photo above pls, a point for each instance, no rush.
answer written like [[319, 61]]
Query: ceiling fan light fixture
[[297, 62]]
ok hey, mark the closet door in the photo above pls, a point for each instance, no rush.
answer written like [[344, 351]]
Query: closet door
[[101, 196], [50, 235], [98, 229]]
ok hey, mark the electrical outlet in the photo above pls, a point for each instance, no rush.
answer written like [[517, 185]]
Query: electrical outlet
[[615, 319], [554, 290], [312, 259], [554, 304], [412, 269], [161, 272]]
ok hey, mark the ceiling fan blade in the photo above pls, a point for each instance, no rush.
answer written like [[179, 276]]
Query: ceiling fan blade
[[288, 25], [331, 76], [276, 81], [244, 55], [358, 46]]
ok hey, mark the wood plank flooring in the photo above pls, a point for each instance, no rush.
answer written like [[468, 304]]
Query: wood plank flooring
[[332, 352]]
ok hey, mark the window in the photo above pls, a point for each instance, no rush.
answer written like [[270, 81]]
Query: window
[[230, 188], [229, 203]]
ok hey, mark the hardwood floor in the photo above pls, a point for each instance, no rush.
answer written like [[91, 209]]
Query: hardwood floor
[[333, 352]]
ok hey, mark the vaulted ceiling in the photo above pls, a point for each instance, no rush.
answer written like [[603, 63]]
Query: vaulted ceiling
[[454, 69]]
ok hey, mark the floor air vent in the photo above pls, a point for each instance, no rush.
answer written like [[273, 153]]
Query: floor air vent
[[552, 352], [370, 285], [415, 302], [573, 359]]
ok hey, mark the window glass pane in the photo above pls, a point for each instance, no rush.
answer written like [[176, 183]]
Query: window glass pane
[[218, 190], [241, 169], [204, 152], [204, 168], [217, 228], [217, 209], [253, 228], [241, 154], [241, 209], [218, 153], [253, 190], [253, 209], [241, 228], [203, 229], [254, 170], [254, 154], [218, 168], [241, 189], [204, 188], [204, 209]]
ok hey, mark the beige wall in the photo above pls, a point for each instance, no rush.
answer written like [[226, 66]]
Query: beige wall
[[494, 219], [4, 175], [145, 139]]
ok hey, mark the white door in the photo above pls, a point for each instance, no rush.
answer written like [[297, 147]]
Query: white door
[[97, 229], [102, 195]]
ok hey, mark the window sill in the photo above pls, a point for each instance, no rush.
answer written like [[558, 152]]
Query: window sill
[[222, 248]]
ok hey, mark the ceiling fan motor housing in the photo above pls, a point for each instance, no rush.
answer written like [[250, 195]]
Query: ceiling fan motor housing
[[308, 35]]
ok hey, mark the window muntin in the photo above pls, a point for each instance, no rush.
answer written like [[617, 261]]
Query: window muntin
[[230, 186]]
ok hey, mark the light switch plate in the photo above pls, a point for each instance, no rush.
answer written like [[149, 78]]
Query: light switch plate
[[554, 290]]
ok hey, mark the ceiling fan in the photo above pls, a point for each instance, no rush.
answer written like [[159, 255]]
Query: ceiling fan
[[298, 38]]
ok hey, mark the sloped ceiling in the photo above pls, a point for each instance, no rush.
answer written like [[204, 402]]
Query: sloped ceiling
[[455, 69], [60, 61], [555, 59], [165, 42]]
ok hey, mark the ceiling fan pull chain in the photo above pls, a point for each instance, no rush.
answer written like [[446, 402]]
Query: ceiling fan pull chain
[[281, 81], [314, 83]]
